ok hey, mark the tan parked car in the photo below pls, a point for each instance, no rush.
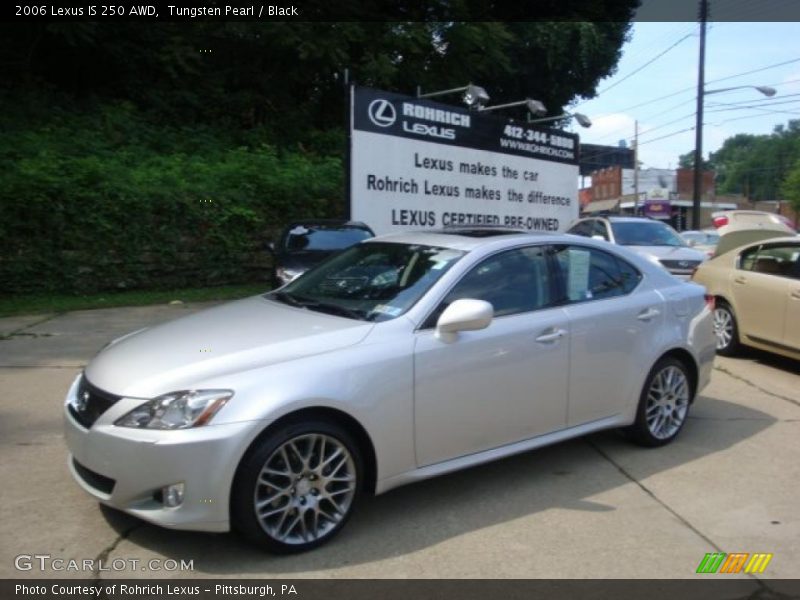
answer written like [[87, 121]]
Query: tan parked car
[[757, 292]]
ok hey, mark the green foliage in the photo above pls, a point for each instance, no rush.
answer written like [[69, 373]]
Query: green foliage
[[791, 186], [106, 200], [686, 161], [757, 165], [164, 155]]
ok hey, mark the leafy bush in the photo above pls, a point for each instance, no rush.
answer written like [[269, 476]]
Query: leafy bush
[[108, 200]]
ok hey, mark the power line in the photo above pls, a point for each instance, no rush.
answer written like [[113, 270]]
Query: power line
[[649, 62]]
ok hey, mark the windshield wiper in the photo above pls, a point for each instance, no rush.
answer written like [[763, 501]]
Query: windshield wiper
[[336, 309], [325, 307], [287, 298]]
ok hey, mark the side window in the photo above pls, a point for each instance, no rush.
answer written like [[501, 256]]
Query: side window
[[583, 228], [599, 228], [748, 258], [591, 274], [776, 260], [513, 282]]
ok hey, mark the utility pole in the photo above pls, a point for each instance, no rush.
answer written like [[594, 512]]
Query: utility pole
[[635, 168], [698, 128]]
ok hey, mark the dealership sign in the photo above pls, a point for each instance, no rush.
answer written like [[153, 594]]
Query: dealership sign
[[417, 164]]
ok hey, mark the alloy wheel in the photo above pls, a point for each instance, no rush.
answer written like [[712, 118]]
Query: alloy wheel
[[723, 327], [305, 489], [667, 402]]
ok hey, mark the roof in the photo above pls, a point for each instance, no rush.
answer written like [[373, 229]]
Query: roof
[[464, 239]]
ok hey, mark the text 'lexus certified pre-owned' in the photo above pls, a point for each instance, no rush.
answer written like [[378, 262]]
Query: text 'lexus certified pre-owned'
[[404, 357]]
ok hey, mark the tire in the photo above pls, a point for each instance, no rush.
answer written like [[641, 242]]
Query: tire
[[663, 404], [726, 329], [298, 488]]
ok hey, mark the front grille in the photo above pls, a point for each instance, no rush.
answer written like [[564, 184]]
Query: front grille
[[90, 402], [95, 480], [680, 265]]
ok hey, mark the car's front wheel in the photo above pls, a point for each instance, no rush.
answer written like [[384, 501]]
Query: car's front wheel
[[663, 404], [726, 329], [298, 488]]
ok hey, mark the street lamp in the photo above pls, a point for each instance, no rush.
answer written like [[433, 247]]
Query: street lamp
[[535, 107], [474, 95], [698, 141], [582, 119]]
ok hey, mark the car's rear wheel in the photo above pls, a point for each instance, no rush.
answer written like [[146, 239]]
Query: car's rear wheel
[[298, 488], [663, 404], [726, 329]]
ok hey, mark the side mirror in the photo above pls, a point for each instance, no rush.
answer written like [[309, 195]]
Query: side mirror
[[463, 315]]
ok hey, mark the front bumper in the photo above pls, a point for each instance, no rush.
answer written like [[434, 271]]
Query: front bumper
[[126, 468]]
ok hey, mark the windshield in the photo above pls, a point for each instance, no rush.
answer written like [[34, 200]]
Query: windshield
[[302, 238], [373, 282], [645, 233]]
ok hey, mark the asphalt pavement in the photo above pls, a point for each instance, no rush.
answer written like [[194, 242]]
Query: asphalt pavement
[[596, 507]]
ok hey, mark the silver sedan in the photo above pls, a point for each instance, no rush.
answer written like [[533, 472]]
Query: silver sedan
[[405, 357]]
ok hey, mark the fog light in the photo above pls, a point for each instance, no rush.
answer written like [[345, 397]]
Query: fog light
[[173, 494]]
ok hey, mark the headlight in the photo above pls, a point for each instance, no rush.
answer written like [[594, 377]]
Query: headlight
[[287, 275], [177, 410]]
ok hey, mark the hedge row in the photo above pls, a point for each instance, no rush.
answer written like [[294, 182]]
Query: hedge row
[[110, 201]]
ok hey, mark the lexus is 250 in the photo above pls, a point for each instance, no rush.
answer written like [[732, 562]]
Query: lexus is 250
[[404, 357]]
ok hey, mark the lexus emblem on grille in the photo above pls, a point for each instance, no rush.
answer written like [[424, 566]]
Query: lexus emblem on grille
[[81, 401], [683, 263]]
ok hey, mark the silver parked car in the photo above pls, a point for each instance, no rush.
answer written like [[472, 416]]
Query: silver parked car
[[656, 241], [404, 357]]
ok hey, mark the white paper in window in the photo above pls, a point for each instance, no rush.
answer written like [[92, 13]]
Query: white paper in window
[[578, 280]]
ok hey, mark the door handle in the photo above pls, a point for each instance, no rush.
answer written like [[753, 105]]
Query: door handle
[[552, 336], [648, 314], [740, 279], [796, 294]]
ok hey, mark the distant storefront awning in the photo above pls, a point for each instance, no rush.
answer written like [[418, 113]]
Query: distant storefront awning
[[601, 205], [657, 209]]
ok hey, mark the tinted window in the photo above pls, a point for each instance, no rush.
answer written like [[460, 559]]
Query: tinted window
[[599, 228], [323, 238], [513, 282], [591, 274], [583, 228], [645, 233], [376, 281]]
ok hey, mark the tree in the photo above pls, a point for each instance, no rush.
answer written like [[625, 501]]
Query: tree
[[686, 161], [287, 77], [756, 165], [791, 186]]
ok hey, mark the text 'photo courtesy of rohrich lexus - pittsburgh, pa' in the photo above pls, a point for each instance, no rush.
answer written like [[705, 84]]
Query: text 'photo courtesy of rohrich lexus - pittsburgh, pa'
[[404, 357]]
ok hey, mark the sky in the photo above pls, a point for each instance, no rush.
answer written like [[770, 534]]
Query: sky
[[661, 96]]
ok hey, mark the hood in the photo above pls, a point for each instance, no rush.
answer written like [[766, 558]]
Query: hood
[[229, 338], [742, 237], [669, 252]]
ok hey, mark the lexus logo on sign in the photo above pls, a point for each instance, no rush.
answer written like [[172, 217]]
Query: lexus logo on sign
[[382, 113]]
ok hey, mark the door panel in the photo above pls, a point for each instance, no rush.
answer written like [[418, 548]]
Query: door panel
[[761, 292], [490, 387], [614, 318], [610, 352], [502, 384]]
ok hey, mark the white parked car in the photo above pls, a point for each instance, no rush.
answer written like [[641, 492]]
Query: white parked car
[[405, 357], [656, 241]]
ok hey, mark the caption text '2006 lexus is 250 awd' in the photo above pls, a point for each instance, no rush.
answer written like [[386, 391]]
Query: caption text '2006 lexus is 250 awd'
[[404, 357]]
